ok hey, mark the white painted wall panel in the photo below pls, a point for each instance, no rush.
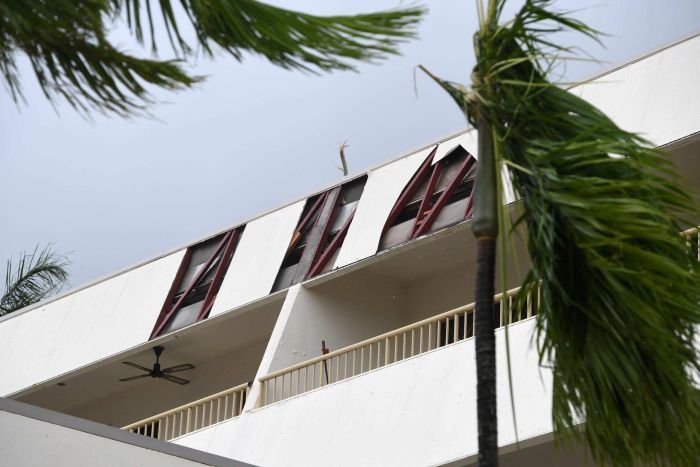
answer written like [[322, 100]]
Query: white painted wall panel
[[86, 326], [656, 96], [257, 258], [418, 412], [467, 140], [27, 442], [384, 186]]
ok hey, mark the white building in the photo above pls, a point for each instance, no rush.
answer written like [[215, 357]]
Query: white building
[[366, 267]]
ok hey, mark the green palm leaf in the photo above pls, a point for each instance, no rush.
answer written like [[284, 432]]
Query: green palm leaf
[[36, 276], [603, 210], [71, 56]]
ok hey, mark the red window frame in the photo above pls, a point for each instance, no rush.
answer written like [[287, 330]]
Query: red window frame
[[428, 210], [224, 250]]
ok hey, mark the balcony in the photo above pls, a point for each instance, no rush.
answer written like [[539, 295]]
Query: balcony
[[404, 343], [187, 418], [401, 344], [395, 346]]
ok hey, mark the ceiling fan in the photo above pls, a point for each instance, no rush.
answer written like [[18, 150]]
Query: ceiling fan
[[157, 372]]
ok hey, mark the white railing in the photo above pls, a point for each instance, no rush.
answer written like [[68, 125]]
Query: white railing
[[199, 414], [692, 241], [391, 347]]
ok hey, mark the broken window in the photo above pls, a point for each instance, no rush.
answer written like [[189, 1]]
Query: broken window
[[438, 195], [197, 282], [320, 233]]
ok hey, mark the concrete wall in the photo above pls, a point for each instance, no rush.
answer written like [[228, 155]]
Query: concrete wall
[[31, 443], [36, 437], [84, 327], [656, 96], [258, 258], [422, 411], [344, 311]]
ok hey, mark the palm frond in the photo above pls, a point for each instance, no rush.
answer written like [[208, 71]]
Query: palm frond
[[620, 294], [603, 209], [36, 276], [290, 39], [66, 44]]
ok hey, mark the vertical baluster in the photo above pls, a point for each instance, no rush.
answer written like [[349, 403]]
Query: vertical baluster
[[362, 358], [369, 360], [430, 332], [420, 339], [345, 365], [437, 338], [396, 347], [403, 352], [337, 368], [455, 329], [320, 373], [386, 351], [413, 340], [353, 362], [379, 352]]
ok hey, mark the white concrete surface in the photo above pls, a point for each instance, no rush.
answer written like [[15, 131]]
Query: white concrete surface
[[342, 312], [32, 443], [656, 96], [258, 258], [418, 412], [468, 140], [272, 344], [84, 327]]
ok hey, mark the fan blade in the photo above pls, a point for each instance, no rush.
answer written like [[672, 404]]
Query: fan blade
[[175, 379], [131, 378], [147, 370], [176, 368]]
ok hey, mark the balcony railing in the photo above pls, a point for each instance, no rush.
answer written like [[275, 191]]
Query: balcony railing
[[193, 416], [391, 347]]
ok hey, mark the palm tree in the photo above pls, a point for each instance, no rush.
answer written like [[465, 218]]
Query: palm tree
[[620, 296], [36, 276], [72, 57]]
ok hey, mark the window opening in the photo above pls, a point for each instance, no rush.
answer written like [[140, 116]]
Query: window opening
[[320, 233], [197, 282], [438, 195]]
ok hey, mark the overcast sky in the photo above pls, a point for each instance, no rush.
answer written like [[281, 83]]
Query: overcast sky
[[113, 192]]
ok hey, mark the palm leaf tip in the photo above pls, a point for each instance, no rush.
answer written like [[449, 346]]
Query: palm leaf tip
[[35, 276], [287, 38], [620, 297], [458, 92]]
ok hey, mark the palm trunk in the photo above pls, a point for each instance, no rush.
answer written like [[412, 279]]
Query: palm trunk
[[485, 228]]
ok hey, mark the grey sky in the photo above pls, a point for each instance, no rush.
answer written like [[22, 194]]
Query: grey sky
[[114, 192]]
